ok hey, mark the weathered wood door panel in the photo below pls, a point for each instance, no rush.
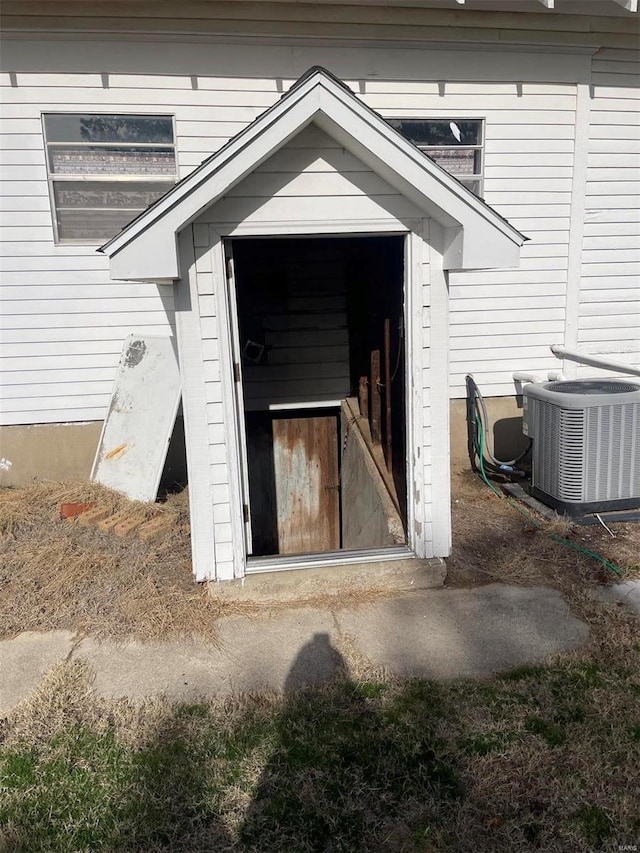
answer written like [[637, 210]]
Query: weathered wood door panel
[[307, 491]]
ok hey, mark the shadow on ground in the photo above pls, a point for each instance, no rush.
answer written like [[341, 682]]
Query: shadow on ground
[[337, 766], [350, 771], [542, 758]]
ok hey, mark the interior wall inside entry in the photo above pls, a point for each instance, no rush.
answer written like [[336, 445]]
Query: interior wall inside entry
[[321, 321]]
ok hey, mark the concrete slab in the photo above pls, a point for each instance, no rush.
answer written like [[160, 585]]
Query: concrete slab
[[178, 669], [626, 593], [25, 659], [292, 650], [335, 581], [464, 633], [441, 634]]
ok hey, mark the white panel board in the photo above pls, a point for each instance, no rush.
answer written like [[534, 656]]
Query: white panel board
[[140, 420]]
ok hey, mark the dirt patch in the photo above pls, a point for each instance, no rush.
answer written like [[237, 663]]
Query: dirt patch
[[58, 574]]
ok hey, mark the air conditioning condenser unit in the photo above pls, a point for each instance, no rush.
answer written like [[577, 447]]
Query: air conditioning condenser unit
[[586, 444]]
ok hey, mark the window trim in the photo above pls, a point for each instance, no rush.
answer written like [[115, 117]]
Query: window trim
[[56, 178], [478, 147]]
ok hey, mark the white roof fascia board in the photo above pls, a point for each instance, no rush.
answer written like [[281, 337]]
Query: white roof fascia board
[[273, 116], [342, 112], [147, 248], [146, 255], [428, 186]]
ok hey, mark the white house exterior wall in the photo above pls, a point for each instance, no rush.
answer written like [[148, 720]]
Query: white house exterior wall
[[609, 310], [65, 320]]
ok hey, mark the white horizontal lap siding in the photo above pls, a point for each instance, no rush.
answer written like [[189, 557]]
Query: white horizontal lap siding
[[505, 320], [58, 302], [61, 342], [215, 91], [63, 319], [609, 309], [311, 180]]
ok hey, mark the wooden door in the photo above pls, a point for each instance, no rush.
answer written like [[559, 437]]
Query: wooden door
[[307, 490]]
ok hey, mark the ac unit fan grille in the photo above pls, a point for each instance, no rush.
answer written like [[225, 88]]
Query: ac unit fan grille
[[595, 386], [545, 450], [559, 452]]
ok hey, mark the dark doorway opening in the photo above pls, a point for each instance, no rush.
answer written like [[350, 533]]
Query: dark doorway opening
[[321, 357]]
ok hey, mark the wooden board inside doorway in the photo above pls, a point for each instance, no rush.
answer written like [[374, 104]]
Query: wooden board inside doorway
[[307, 486]]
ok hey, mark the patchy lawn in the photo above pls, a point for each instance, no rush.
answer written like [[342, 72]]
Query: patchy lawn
[[544, 758]]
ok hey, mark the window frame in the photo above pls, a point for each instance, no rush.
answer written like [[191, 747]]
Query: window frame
[[54, 178], [479, 178]]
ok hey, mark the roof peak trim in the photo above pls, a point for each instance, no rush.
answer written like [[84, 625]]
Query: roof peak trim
[[319, 94]]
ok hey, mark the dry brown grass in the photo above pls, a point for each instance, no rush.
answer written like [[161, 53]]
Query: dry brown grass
[[493, 542], [60, 575], [56, 574]]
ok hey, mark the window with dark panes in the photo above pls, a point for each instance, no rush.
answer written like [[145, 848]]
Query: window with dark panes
[[104, 170], [455, 144]]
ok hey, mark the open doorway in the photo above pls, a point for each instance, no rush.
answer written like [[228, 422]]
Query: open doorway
[[321, 388]]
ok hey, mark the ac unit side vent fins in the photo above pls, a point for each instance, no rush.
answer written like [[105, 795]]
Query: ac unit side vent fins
[[586, 446]]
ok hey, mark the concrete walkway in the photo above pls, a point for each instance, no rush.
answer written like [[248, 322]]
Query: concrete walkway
[[627, 594], [439, 634]]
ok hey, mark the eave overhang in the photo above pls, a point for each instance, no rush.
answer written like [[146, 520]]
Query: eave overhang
[[476, 236]]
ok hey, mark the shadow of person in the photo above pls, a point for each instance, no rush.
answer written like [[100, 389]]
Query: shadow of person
[[316, 662], [288, 810], [355, 765]]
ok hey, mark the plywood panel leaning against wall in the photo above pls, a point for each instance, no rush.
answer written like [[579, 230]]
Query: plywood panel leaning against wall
[[140, 420]]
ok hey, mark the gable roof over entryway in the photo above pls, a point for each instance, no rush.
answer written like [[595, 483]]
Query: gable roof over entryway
[[476, 236]]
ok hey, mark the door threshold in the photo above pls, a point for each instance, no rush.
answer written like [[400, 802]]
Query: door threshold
[[280, 563]]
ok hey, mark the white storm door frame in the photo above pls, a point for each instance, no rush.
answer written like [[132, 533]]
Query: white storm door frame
[[236, 368], [414, 283], [232, 400]]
